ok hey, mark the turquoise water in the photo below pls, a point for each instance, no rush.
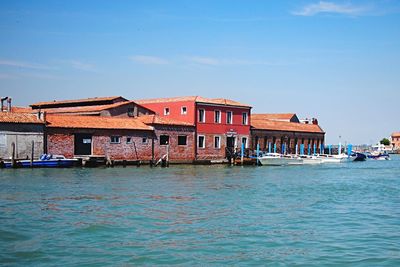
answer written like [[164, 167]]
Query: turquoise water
[[338, 215]]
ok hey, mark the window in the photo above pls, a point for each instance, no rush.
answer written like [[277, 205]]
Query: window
[[166, 111], [129, 140], [115, 139], [244, 118], [184, 110], [217, 116], [131, 112], [201, 141], [182, 140], [202, 115], [229, 117], [164, 139], [244, 141], [144, 140], [217, 142]]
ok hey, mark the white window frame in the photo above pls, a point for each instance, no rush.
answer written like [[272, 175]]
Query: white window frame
[[245, 143], [204, 115], [215, 116], [145, 140], [130, 142], [115, 136], [167, 111], [247, 118], [204, 141], [229, 112], [184, 112], [219, 142]]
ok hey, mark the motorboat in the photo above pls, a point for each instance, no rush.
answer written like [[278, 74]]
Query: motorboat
[[45, 161], [276, 159], [311, 159], [378, 156], [334, 158]]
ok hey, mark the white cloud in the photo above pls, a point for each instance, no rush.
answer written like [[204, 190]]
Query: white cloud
[[230, 62], [22, 64], [329, 7], [79, 65], [205, 60], [149, 60]]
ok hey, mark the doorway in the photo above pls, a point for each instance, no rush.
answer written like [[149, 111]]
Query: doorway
[[230, 146], [83, 144]]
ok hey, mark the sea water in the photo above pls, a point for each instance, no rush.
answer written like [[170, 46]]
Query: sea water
[[333, 214]]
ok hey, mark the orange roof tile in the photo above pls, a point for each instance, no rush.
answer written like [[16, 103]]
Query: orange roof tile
[[396, 134], [19, 109], [95, 122], [155, 119], [11, 117], [197, 99], [85, 109], [273, 116], [86, 100], [285, 126]]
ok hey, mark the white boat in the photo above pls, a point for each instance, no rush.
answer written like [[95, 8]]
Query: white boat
[[307, 159], [276, 159], [334, 158]]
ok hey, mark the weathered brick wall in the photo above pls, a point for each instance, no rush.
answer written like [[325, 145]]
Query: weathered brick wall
[[176, 152], [61, 141], [60, 144]]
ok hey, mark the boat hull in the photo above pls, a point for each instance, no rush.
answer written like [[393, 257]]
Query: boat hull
[[56, 163]]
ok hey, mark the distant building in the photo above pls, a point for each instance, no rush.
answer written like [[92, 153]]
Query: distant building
[[20, 130], [102, 106], [221, 125], [276, 130], [395, 140]]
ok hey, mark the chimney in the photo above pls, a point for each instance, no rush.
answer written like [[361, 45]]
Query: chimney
[[44, 116], [9, 104], [2, 103]]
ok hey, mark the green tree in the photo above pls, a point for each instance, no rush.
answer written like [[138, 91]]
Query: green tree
[[385, 141]]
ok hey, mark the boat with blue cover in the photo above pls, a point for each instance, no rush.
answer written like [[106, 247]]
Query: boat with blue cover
[[45, 161]]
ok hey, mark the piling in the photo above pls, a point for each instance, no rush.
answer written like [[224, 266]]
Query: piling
[[32, 152], [13, 163]]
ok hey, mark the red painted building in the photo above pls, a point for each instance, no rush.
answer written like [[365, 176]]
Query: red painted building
[[221, 125]]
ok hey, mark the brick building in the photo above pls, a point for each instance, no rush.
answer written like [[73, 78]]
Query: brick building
[[395, 141], [275, 130], [117, 138], [220, 124], [102, 106]]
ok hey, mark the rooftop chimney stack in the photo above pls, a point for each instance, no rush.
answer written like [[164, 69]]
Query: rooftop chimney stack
[[2, 103], [9, 104]]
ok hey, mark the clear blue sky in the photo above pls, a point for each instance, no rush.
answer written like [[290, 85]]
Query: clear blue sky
[[338, 61]]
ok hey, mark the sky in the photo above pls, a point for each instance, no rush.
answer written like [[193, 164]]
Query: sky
[[338, 61]]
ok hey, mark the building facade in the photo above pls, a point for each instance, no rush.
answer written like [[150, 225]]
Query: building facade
[[395, 141], [221, 125], [18, 133], [284, 133]]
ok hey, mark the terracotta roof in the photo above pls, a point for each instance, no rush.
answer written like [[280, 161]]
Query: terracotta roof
[[273, 116], [11, 117], [19, 109], [197, 99], [95, 122], [85, 109], [86, 100], [285, 126], [397, 134], [155, 119]]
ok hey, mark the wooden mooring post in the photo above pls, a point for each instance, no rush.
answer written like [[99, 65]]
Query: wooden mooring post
[[32, 152], [13, 163]]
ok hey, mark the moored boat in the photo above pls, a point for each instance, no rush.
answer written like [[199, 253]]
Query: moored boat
[[276, 159], [307, 159], [45, 161]]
